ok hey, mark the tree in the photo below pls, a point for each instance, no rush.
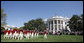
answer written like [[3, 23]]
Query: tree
[[80, 22], [36, 24], [22, 27], [40, 24], [25, 26], [31, 24], [3, 18], [76, 23]]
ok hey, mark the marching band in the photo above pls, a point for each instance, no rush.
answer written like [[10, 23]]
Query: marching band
[[19, 34]]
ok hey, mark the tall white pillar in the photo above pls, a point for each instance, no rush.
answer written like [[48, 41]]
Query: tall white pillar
[[63, 24], [60, 24], [68, 28], [53, 27], [57, 26], [50, 26]]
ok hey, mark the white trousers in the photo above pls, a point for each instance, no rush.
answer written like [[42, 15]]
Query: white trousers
[[45, 35]]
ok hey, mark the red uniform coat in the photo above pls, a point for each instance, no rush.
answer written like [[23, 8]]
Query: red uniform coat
[[13, 32], [5, 31], [9, 31], [25, 32], [45, 32], [21, 30], [17, 31]]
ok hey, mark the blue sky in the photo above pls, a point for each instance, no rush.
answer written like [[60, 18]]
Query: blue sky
[[19, 12]]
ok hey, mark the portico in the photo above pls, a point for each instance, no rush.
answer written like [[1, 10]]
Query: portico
[[57, 23]]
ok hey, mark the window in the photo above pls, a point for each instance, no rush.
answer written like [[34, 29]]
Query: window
[[55, 27], [55, 21], [65, 22], [52, 27], [62, 26], [61, 22], [51, 22], [59, 27], [58, 21]]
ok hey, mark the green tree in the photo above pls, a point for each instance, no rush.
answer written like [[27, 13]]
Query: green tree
[[3, 18], [80, 22], [22, 27], [75, 23], [25, 26], [36, 24], [40, 24], [31, 24]]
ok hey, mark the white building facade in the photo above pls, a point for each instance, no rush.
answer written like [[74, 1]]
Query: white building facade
[[57, 23]]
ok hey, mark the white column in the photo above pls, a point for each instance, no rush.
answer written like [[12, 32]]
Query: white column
[[53, 27], [63, 24], [50, 26], [57, 26], [68, 28], [60, 24]]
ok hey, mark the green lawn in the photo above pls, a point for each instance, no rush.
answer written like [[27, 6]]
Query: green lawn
[[51, 38]]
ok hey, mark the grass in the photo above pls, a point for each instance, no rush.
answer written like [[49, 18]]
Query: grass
[[50, 38]]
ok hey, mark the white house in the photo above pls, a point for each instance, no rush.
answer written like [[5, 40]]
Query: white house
[[57, 23]]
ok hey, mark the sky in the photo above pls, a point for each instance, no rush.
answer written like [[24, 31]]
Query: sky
[[19, 12]]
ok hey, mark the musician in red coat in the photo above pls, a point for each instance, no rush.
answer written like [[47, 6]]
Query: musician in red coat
[[10, 34], [45, 33], [35, 33], [14, 31], [5, 33], [27, 35], [32, 34], [19, 34], [21, 30], [25, 32]]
